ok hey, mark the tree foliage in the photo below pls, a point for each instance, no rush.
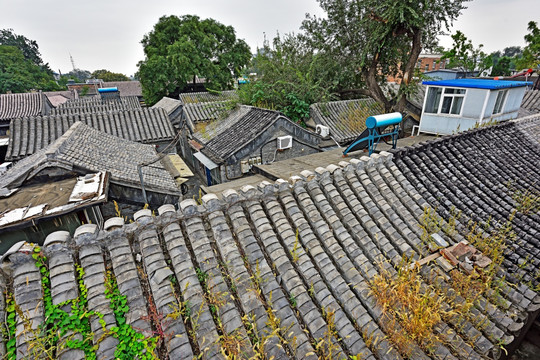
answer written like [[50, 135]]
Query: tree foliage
[[370, 39], [107, 75], [289, 78], [531, 52], [502, 68], [465, 57], [29, 48], [180, 49], [18, 74]]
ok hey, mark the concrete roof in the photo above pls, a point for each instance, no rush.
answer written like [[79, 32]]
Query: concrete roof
[[292, 252]]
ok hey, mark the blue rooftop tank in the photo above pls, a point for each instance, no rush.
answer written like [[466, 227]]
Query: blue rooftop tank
[[383, 120]]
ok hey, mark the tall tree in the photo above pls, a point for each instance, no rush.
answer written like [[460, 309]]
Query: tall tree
[[290, 77], [18, 74], [531, 52], [107, 75], [371, 39], [465, 57], [28, 47], [180, 49]]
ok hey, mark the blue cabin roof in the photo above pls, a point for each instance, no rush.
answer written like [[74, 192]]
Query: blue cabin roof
[[479, 83]]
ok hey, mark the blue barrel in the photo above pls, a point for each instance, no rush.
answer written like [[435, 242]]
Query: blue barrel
[[107, 90], [383, 120]]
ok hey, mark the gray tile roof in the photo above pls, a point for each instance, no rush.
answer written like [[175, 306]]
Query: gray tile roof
[[168, 104], [291, 253], [126, 88], [96, 104], [531, 101], [204, 112], [84, 149], [17, 105], [346, 119], [28, 135], [204, 97], [225, 137]]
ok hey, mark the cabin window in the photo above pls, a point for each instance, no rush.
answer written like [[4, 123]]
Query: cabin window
[[501, 97], [433, 100], [449, 101], [452, 101]]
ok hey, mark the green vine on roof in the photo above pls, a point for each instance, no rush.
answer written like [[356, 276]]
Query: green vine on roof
[[132, 344]]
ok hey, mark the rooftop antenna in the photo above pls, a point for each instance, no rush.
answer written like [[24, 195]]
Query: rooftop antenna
[[72, 61]]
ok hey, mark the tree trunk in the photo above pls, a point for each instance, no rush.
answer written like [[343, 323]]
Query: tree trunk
[[373, 87], [408, 71]]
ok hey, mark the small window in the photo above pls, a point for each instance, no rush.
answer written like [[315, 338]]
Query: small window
[[433, 100], [427, 67], [501, 97], [452, 101], [434, 63]]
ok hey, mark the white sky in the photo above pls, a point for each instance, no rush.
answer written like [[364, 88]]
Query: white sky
[[106, 34]]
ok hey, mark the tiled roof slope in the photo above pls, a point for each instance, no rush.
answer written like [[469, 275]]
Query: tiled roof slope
[[168, 104], [28, 135], [202, 112], [346, 119], [17, 105], [241, 128], [82, 147], [531, 101], [481, 173], [96, 105], [288, 253], [126, 88], [211, 129], [204, 97]]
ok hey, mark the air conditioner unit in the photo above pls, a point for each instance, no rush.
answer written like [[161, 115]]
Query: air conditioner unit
[[244, 166], [284, 142], [322, 130]]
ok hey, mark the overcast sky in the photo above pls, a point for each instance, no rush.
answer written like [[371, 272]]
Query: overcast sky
[[106, 34]]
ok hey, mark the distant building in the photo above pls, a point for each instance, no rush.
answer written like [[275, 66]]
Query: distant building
[[457, 105], [425, 63]]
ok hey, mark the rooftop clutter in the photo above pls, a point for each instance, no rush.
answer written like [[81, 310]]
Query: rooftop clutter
[[289, 269]]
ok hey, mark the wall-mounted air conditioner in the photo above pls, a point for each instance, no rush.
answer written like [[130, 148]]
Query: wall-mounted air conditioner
[[244, 166], [284, 142], [322, 130]]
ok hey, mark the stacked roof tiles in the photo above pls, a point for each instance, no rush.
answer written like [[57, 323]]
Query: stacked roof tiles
[[17, 105], [96, 105], [82, 147], [268, 265], [531, 101], [346, 119], [205, 97], [30, 134]]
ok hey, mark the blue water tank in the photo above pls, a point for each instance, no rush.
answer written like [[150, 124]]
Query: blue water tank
[[383, 120], [107, 90]]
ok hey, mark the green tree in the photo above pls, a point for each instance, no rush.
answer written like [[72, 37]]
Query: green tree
[[465, 57], [18, 74], [180, 49], [502, 68], [289, 78], [107, 75], [531, 52], [28, 47], [367, 40]]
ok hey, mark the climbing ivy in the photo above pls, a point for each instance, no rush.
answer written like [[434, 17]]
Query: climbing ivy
[[72, 330], [132, 344]]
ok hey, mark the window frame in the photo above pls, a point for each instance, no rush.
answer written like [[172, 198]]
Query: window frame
[[444, 95], [502, 103]]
